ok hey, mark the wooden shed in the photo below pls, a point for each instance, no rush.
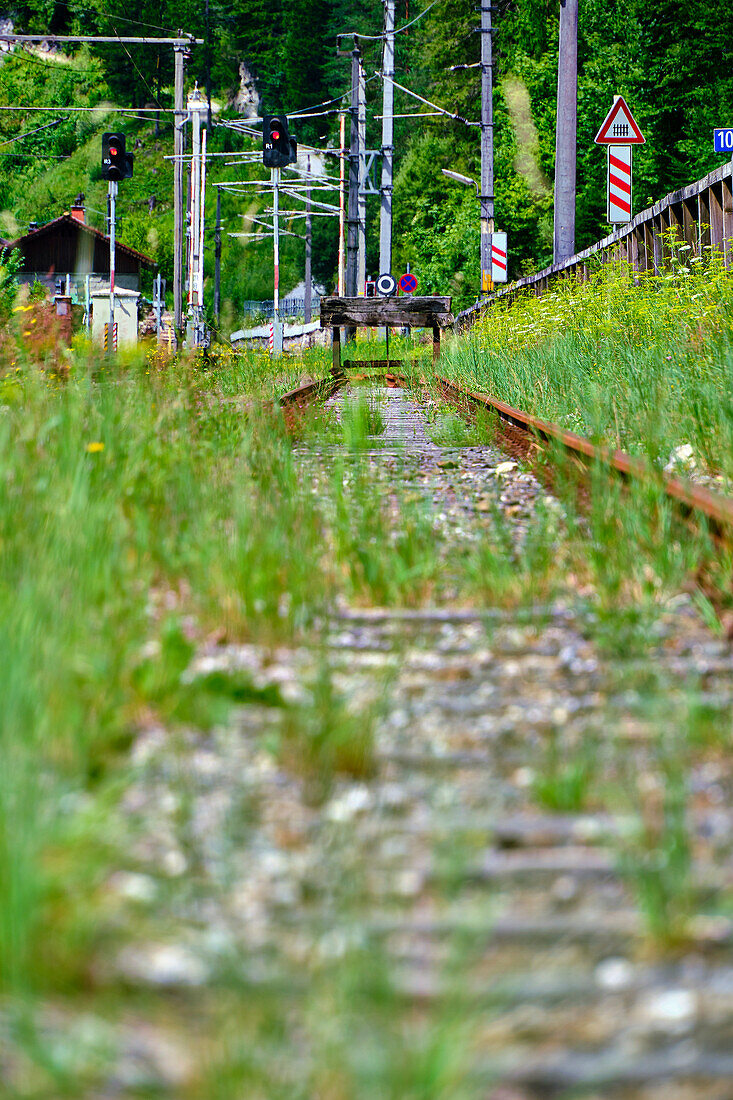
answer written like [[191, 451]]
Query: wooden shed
[[66, 252]]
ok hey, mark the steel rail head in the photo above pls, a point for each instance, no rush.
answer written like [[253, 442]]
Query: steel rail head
[[716, 508]]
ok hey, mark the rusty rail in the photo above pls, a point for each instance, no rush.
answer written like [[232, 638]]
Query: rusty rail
[[718, 509], [310, 392]]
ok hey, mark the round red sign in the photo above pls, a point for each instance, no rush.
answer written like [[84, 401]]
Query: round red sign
[[408, 284]]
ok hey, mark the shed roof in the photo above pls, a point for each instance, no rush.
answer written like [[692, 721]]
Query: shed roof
[[81, 227]]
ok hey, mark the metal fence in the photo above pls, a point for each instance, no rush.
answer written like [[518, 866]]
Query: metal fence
[[289, 307], [701, 215]]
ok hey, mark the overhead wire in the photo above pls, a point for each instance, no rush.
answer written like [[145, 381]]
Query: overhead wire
[[108, 107], [399, 30], [441, 110], [36, 130], [120, 18], [327, 102], [24, 55], [137, 70]]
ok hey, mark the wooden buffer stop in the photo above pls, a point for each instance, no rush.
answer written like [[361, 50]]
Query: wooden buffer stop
[[432, 312]]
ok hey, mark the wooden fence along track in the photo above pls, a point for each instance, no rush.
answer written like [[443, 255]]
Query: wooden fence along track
[[700, 215]]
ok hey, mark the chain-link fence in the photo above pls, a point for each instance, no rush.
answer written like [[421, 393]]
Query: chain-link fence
[[289, 307]]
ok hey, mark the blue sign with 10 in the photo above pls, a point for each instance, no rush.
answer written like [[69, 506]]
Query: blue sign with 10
[[724, 140]]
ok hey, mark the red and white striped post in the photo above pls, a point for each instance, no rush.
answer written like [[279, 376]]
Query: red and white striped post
[[110, 345], [499, 258], [619, 184], [271, 339], [619, 132], [112, 192], [278, 339]]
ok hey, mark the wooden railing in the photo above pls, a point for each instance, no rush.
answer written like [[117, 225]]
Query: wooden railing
[[701, 215]]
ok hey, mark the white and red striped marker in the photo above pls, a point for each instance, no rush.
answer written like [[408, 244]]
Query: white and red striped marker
[[619, 184], [271, 340], [499, 257], [619, 131]]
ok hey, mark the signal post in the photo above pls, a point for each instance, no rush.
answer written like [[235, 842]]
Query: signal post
[[278, 150], [117, 165]]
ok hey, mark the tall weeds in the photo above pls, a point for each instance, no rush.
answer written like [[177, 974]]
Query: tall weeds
[[639, 361]]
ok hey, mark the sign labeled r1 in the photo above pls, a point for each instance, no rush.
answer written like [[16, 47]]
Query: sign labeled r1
[[724, 140]]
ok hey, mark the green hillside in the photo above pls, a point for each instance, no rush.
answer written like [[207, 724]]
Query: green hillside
[[671, 62]]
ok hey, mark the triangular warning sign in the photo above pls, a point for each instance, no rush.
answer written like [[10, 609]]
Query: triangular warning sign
[[619, 126]]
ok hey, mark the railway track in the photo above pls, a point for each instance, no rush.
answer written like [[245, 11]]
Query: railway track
[[521, 432], [522, 893]]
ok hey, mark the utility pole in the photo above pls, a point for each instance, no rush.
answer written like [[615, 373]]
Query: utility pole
[[342, 205], [208, 66], [308, 245], [352, 241], [566, 132], [486, 198], [361, 205], [195, 325], [217, 257], [385, 211], [179, 121]]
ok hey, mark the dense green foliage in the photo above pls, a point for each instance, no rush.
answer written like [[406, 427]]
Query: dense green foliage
[[671, 61]]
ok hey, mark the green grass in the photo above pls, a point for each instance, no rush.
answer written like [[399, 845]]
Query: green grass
[[149, 506], [647, 368]]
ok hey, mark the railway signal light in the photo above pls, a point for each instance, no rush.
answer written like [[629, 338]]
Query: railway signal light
[[116, 161], [278, 148]]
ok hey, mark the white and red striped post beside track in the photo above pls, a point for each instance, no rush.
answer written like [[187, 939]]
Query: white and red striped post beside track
[[619, 184], [498, 258]]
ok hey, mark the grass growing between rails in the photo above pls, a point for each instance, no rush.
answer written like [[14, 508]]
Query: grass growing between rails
[[645, 365], [152, 511], [146, 505]]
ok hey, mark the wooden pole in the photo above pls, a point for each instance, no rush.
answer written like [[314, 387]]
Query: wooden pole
[[217, 257], [336, 349], [352, 240], [178, 124], [486, 198], [566, 132]]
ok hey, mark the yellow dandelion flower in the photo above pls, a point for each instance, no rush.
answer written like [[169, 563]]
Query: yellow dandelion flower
[[27, 332], [95, 447]]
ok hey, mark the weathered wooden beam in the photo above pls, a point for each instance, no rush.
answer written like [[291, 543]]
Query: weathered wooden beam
[[727, 204], [633, 251], [703, 219], [715, 195], [689, 224], [377, 312], [336, 350]]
